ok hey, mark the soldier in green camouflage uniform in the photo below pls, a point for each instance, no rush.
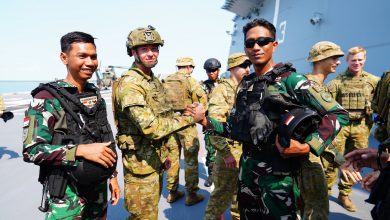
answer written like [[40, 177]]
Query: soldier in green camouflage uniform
[[353, 89], [213, 68], [183, 90], [312, 183], [225, 173], [144, 122], [381, 106], [46, 117], [267, 188]]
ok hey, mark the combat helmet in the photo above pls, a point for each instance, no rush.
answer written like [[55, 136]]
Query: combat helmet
[[297, 124], [185, 61], [143, 36], [237, 59], [90, 173], [211, 64], [323, 50]]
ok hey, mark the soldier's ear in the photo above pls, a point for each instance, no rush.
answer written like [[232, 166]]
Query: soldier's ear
[[64, 58]]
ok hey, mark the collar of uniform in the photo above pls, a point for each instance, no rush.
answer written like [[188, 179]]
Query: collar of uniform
[[313, 78], [71, 87], [181, 72], [138, 70], [362, 73]]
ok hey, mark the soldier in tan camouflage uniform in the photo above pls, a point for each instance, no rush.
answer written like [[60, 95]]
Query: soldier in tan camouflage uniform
[[225, 171], [312, 183], [144, 119], [353, 89], [182, 90]]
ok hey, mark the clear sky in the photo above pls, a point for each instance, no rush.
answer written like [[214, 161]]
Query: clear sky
[[31, 32]]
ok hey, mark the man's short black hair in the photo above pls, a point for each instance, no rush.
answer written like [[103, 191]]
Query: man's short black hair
[[75, 37], [259, 22]]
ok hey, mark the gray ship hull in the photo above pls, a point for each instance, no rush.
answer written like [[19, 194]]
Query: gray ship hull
[[302, 23]]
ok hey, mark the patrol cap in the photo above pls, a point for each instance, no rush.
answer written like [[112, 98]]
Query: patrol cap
[[185, 61], [237, 59], [143, 36], [323, 50], [211, 64]]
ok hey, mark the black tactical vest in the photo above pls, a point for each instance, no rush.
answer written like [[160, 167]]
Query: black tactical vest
[[253, 97], [84, 126]]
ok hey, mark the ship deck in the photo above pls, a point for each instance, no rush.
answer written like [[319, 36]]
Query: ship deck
[[21, 192]]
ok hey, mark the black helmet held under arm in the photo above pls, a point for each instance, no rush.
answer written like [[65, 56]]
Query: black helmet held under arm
[[297, 124]]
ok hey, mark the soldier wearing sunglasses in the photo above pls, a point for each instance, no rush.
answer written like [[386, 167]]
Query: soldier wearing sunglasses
[[267, 187]]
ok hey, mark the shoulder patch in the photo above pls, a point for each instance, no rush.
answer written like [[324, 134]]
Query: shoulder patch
[[28, 129], [327, 97]]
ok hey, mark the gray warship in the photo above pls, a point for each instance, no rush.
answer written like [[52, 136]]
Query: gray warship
[[302, 23]]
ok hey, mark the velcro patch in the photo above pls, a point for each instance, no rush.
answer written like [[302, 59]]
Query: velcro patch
[[89, 101], [28, 129]]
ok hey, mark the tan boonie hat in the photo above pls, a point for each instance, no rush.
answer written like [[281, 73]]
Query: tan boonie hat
[[237, 59], [185, 61], [323, 50]]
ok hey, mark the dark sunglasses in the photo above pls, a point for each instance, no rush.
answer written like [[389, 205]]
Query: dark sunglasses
[[261, 41], [244, 65]]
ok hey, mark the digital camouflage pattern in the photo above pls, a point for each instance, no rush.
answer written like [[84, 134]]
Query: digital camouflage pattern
[[144, 121], [263, 193], [225, 179], [355, 95], [381, 106], [44, 115], [183, 90]]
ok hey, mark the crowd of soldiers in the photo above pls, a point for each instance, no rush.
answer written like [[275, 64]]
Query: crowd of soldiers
[[275, 139]]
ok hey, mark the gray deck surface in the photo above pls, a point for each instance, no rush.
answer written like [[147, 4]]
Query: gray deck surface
[[21, 193]]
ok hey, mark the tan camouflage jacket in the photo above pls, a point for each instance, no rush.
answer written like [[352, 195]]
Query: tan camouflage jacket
[[220, 105], [143, 119]]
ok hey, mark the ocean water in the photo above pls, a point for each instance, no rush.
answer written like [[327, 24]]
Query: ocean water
[[18, 86]]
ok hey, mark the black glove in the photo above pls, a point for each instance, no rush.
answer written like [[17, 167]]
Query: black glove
[[260, 127], [7, 116]]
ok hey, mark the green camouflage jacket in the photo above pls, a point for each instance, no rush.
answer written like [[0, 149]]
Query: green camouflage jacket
[[334, 118], [44, 116]]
